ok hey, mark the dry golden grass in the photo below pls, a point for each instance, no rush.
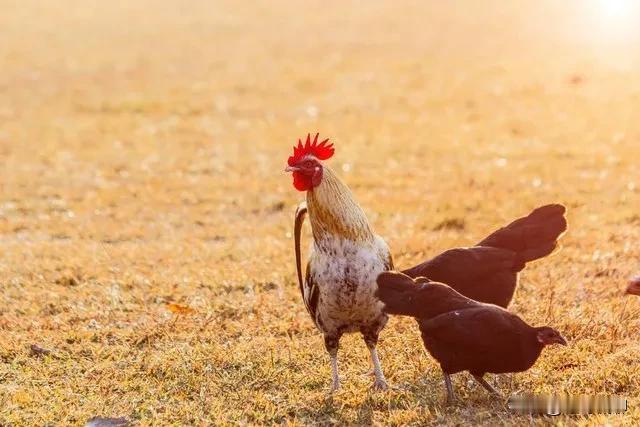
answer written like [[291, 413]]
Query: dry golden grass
[[142, 149]]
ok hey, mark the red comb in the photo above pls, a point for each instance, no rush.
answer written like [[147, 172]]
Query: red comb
[[321, 151]]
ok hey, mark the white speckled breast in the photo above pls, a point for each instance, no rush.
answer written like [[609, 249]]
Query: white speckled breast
[[345, 273]]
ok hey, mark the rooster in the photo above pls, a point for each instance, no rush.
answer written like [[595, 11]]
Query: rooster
[[346, 258]]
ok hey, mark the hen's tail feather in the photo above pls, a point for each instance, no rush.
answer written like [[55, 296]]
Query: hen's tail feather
[[531, 237], [398, 293]]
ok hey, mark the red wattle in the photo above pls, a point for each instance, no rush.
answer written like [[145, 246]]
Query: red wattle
[[301, 182]]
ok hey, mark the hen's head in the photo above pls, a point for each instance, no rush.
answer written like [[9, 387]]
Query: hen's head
[[549, 336], [306, 162], [634, 286]]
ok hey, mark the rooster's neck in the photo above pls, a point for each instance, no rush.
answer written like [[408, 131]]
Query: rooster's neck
[[334, 212]]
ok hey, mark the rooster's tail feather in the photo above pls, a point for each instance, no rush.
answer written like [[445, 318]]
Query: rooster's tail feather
[[301, 213]]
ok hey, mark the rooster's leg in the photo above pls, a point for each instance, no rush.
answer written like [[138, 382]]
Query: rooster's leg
[[380, 382], [331, 344], [335, 378], [486, 385], [371, 339], [449, 386]]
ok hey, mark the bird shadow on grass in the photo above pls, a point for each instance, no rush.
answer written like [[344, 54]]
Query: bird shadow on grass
[[475, 405], [472, 404], [326, 413], [342, 410], [339, 410], [331, 412], [432, 394]]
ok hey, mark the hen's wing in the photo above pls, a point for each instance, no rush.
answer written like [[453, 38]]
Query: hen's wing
[[481, 273], [482, 339], [461, 264]]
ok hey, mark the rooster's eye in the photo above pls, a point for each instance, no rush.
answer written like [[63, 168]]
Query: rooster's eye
[[308, 163]]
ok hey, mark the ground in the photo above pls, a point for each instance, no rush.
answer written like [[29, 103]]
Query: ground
[[146, 221]]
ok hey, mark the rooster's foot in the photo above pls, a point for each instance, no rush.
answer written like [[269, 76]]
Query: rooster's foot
[[380, 384]]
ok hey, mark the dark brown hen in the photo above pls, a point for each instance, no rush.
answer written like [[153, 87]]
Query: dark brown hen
[[488, 272], [462, 334]]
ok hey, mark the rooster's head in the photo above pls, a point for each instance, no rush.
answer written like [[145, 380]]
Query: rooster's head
[[306, 162]]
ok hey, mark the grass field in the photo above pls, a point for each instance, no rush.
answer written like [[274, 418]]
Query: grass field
[[145, 219]]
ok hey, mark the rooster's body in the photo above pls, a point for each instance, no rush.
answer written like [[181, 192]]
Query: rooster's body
[[345, 260]]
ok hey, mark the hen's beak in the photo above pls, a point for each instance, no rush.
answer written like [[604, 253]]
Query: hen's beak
[[561, 341], [291, 169]]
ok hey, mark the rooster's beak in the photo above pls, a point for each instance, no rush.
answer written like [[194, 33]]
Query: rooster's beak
[[291, 169]]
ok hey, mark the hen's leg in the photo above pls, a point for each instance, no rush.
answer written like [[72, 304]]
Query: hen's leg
[[331, 344], [371, 339], [486, 385], [449, 386]]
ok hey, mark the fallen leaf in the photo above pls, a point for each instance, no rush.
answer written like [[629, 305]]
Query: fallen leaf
[[180, 309]]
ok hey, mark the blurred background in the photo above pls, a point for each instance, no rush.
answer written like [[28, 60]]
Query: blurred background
[[114, 100], [142, 147]]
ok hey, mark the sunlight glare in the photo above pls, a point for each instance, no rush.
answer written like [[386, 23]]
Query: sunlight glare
[[616, 18], [614, 9]]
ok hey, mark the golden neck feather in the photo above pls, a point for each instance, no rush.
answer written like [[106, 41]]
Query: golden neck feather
[[333, 211]]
